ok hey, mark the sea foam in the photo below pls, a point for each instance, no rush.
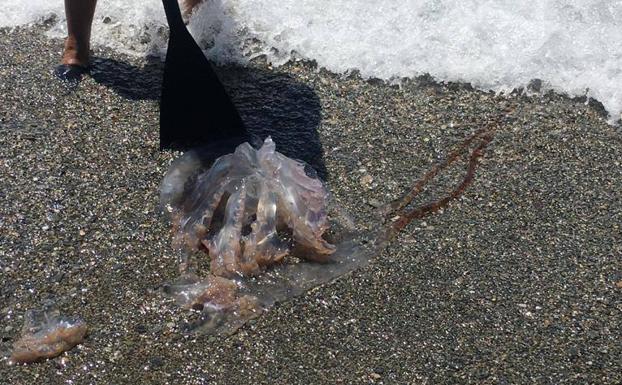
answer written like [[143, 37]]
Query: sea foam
[[574, 46]]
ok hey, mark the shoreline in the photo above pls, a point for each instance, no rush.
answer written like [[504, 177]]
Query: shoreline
[[515, 282]]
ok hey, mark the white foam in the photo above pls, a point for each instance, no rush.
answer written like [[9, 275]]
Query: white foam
[[130, 27], [575, 46]]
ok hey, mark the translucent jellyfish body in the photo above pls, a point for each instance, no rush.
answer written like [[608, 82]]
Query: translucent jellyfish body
[[263, 219], [251, 209], [47, 334], [269, 229]]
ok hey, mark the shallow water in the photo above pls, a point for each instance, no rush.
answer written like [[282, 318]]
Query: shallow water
[[573, 46]]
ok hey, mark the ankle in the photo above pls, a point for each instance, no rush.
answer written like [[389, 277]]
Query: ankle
[[75, 52], [188, 7]]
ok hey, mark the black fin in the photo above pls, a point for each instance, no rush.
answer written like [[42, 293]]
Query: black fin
[[194, 106]]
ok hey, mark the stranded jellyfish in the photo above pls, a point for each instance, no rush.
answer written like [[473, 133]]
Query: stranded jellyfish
[[267, 226], [269, 230], [251, 209], [46, 334]]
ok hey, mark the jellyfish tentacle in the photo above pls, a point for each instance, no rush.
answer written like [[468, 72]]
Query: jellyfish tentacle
[[405, 200], [304, 211], [195, 228], [204, 185], [262, 246], [225, 248], [189, 213]]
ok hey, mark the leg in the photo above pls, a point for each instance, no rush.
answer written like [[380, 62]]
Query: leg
[[189, 5], [79, 19]]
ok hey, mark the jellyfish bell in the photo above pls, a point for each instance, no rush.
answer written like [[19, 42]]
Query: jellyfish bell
[[249, 210]]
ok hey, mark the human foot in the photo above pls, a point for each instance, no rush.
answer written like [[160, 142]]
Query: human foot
[[74, 62]]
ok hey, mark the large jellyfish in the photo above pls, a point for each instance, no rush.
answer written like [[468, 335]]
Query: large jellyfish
[[250, 210], [263, 220]]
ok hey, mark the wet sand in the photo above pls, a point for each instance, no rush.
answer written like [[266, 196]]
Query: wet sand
[[519, 281]]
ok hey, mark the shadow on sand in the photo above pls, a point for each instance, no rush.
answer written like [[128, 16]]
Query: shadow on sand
[[269, 103]]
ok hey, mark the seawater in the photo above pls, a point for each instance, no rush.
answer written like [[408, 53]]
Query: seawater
[[574, 46]]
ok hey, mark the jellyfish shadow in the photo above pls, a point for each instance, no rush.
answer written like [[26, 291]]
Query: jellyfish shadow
[[270, 103]]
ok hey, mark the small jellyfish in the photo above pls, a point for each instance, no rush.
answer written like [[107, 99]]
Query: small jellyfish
[[47, 334]]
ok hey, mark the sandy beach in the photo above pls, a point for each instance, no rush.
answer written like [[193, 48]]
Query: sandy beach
[[519, 281]]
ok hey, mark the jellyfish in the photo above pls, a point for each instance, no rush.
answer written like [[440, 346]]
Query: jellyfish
[[250, 210], [46, 334], [263, 219]]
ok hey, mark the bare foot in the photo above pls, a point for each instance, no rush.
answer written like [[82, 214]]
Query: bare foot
[[75, 54]]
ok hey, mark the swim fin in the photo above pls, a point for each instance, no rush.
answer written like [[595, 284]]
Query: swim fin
[[194, 106]]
